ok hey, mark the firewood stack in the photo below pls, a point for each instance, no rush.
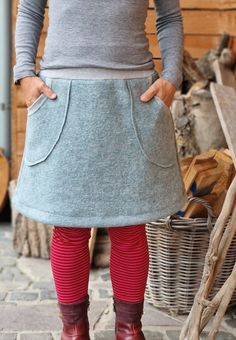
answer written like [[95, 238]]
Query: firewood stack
[[211, 175], [198, 128], [207, 175]]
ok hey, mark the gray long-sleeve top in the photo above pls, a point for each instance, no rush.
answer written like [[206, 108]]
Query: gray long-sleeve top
[[98, 34]]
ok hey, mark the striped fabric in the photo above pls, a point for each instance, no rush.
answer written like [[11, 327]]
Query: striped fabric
[[70, 262]]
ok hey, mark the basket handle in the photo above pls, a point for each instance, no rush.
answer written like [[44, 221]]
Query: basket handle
[[207, 206]]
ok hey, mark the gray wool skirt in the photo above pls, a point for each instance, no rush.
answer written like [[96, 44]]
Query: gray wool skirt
[[97, 156]]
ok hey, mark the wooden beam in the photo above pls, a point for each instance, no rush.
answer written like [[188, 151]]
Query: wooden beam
[[225, 102], [205, 4], [205, 22], [224, 75]]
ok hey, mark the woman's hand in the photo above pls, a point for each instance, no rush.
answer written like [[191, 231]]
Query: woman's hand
[[32, 87], [161, 88]]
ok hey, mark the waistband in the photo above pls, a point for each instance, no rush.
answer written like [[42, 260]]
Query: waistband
[[94, 73]]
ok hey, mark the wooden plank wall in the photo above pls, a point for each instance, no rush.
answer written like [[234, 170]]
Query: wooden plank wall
[[204, 21]]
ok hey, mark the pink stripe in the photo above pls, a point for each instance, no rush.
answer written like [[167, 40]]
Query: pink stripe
[[70, 262], [129, 261]]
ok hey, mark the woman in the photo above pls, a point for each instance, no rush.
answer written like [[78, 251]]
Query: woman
[[100, 147]]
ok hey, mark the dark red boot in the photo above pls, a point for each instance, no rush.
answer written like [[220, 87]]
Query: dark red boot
[[128, 324], [75, 320]]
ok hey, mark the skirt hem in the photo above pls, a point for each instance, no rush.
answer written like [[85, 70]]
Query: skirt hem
[[99, 221]]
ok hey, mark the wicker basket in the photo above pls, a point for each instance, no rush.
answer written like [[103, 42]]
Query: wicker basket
[[177, 249]]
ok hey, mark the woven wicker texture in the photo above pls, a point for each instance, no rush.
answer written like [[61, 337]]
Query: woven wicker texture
[[177, 249]]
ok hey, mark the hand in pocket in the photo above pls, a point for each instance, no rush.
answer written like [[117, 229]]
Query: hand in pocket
[[33, 87], [161, 88]]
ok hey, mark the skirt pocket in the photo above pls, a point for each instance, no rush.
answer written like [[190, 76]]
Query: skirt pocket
[[36, 104], [45, 121], [153, 126]]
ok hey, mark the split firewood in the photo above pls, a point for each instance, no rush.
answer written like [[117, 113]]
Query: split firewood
[[199, 85], [191, 72], [218, 202], [196, 210], [185, 164], [205, 62], [92, 242], [208, 176], [203, 186], [227, 58], [223, 42], [207, 128], [101, 256], [200, 162], [226, 166]]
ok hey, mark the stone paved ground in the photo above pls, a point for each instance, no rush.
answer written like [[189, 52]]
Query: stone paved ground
[[28, 309]]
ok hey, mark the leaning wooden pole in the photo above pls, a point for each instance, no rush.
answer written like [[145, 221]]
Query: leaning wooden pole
[[221, 236], [213, 262], [226, 297]]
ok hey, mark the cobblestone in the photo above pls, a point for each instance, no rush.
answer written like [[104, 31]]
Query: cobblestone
[[104, 293], [29, 311], [8, 336], [105, 276], [6, 286], [43, 285], [6, 276], [3, 296], [12, 270], [23, 296], [48, 295], [7, 261], [36, 336]]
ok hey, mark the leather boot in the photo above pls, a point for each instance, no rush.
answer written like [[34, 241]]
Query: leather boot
[[75, 320], [128, 324]]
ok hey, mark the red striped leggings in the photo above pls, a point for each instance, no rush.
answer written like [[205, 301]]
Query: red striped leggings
[[70, 262]]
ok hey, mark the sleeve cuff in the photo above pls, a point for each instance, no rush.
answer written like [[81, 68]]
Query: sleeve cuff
[[20, 72], [175, 79]]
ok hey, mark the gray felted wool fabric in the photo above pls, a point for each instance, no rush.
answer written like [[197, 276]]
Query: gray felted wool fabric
[[97, 156]]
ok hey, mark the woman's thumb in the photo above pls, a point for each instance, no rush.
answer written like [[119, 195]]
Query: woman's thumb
[[49, 92]]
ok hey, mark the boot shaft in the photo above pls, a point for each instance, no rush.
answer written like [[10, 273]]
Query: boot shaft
[[128, 325], [75, 320]]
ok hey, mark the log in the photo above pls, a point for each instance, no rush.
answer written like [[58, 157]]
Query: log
[[30, 238], [207, 128], [204, 63], [227, 58], [191, 72], [92, 242], [200, 162]]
